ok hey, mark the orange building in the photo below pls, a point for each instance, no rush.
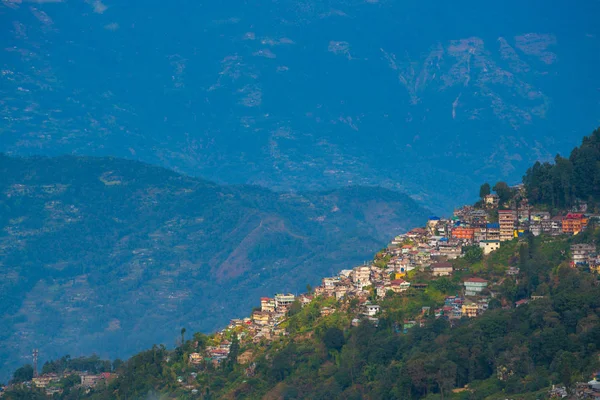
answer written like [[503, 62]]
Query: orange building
[[574, 223], [463, 233]]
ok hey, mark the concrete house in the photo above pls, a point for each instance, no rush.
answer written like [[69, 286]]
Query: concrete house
[[507, 220], [361, 276], [371, 309], [267, 304], [470, 310], [474, 286], [399, 285], [283, 301], [580, 253], [441, 269], [489, 245], [491, 200]]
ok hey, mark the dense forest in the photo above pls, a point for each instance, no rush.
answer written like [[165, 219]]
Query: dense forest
[[567, 181]]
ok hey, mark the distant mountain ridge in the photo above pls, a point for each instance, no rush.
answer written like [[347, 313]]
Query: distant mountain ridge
[[108, 255], [427, 98]]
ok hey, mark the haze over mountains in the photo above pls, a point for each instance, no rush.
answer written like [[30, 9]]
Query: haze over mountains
[[301, 97], [110, 256], [304, 94]]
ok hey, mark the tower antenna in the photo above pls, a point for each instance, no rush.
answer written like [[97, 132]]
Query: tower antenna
[[36, 353]]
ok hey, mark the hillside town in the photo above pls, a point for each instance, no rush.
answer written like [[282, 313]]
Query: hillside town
[[431, 251]]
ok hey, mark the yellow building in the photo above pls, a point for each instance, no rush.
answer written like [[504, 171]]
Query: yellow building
[[261, 318], [470, 310], [195, 358]]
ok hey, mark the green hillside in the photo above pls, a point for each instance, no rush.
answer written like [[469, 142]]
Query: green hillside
[[508, 352], [109, 256]]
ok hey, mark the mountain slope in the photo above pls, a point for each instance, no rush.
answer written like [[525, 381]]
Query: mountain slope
[[304, 95], [109, 255]]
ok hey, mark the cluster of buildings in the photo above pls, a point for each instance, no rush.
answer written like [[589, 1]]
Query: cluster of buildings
[[588, 390], [261, 326], [429, 249], [353, 283], [212, 354], [585, 255], [474, 226], [51, 382]]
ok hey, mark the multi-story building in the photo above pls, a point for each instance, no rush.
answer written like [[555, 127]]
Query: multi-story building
[[489, 245], [580, 253], [507, 219], [329, 283], [44, 380], [261, 318], [463, 233], [574, 223], [361, 276], [267, 304], [450, 251], [535, 227], [470, 310], [340, 290], [552, 226], [491, 231], [538, 216], [399, 285], [479, 234], [371, 309], [474, 286], [441, 269], [283, 301]]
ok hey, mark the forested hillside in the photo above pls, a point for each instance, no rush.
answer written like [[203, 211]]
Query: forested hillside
[[509, 352], [505, 353], [568, 180], [109, 256]]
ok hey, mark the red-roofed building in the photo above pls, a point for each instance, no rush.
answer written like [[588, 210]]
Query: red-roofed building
[[267, 304], [521, 302], [574, 223]]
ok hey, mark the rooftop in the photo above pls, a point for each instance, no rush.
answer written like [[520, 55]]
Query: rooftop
[[476, 280]]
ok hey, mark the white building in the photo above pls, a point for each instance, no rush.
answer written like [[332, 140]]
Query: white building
[[474, 286], [489, 245], [284, 300], [371, 309], [361, 276]]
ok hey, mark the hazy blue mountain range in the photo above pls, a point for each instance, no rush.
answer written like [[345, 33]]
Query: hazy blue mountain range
[[110, 256], [428, 97]]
